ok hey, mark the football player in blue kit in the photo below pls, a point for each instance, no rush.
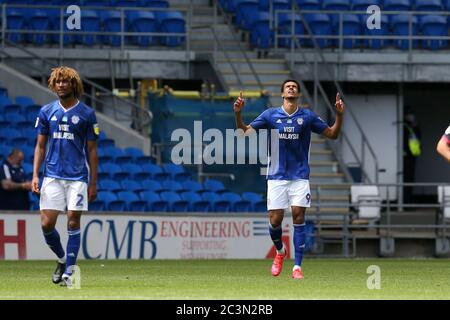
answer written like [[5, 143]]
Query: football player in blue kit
[[288, 171], [67, 140]]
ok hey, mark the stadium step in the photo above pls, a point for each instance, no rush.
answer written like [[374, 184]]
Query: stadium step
[[324, 166], [320, 155]]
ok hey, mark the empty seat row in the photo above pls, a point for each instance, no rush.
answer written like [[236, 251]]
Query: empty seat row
[[172, 201], [101, 3], [239, 6], [323, 25], [44, 20]]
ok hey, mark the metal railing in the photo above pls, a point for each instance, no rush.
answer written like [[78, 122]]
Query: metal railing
[[61, 33], [140, 118], [341, 222]]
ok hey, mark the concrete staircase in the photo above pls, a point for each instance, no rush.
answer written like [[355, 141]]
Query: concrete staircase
[[325, 176]]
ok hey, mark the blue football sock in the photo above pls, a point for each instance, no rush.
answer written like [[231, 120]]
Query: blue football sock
[[54, 242], [73, 245], [299, 242], [275, 234]]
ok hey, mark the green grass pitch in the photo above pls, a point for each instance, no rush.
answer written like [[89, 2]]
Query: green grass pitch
[[230, 279]]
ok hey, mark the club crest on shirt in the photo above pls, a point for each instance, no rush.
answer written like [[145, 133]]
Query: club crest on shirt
[[75, 119], [300, 121]]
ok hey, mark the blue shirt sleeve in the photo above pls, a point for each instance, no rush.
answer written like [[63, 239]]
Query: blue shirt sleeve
[[2, 172], [317, 125], [261, 121], [42, 124], [93, 129]]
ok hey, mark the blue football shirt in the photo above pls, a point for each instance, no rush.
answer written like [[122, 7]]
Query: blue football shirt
[[68, 132], [291, 160]]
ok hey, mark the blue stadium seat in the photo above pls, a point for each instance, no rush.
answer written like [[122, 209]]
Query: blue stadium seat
[[400, 27], [124, 3], [257, 202], [91, 23], [28, 169], [152, 185], [171, 22], [27, 105], [10, 134], [351, 27], [153, 3], [7, 106], [193, 186], [176, 204], [397, 5], [115, 171], [39, 20], [138, 156], [176, 172], [111, 21], [216, 202], [102, 174], [15, 118], [143, 21], [112, 152], [156, 172], [336, 5], [136, 172], [428, 5], [237, 203], [372, 42], [308, 4], [30, 134], [3, 92], [15, 21], [106, 143], [362, 5], [320, 25], [276, 5], [97, 205], [433, 25], [95, 3], [285, 25], [154, 201], [132, 201], [261, 36], [214, 186], [110, 185], [28, 152], [171, 185], [112, 203], [132, 185], [104, 158], [196, 203], [228, 5], [246, 11]]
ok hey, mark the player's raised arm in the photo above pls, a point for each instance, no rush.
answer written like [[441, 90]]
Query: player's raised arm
[[237, 107], [333, 132]]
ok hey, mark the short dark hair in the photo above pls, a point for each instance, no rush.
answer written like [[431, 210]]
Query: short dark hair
[[290, 80], [14, 151]]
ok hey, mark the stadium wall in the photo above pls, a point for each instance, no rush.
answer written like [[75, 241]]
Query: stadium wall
[[146, 236]]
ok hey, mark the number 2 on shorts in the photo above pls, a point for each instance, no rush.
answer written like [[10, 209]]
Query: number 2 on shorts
[[80, 200]]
